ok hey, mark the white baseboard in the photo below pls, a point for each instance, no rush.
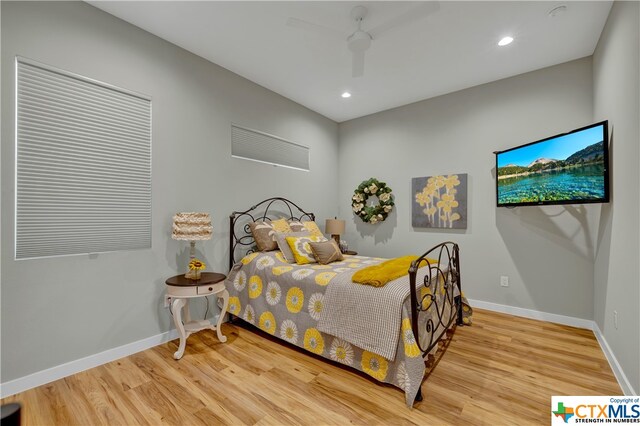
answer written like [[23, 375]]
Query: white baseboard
[[60, 371], [530, 313], [622, 379]]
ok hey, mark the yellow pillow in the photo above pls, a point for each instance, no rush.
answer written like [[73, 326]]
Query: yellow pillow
[[280, 225], [301, 248], [312, 227]]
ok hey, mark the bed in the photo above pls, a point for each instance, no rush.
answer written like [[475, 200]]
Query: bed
[[386, 332]]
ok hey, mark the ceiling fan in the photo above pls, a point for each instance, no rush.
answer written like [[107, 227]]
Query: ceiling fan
[[360, 40]]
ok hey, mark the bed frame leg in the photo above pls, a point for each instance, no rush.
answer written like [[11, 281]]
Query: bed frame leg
[[419, 395]]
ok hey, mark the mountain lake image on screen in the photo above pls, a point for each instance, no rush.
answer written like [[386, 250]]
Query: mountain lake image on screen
[[570, 168]]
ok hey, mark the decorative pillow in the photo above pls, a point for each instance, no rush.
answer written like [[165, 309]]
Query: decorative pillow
[[284, 246], [326, 252], [264, 233], [312, 227], [296, 225], [301, 249], [281, 225], [307, 225]]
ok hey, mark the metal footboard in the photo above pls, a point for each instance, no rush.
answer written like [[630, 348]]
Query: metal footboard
[[442, 275]]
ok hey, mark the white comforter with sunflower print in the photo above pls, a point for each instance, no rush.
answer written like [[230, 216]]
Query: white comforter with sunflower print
[[287, 301]]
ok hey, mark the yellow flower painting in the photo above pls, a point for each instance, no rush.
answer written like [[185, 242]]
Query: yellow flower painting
[[439, 201]]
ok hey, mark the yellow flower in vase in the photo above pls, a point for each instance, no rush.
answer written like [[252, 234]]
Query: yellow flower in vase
[[195, 267], [197, 264]]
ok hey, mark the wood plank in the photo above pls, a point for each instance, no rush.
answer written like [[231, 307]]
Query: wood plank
[[501, 370], [160, 407], [119, 395], [215, 389]]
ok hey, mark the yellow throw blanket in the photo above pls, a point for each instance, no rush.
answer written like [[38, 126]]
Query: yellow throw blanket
[[379, 275]]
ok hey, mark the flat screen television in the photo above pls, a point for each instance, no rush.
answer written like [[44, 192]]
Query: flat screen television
[[570, 168]]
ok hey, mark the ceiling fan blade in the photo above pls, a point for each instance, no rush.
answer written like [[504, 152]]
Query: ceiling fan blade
[[418, 12], [310, 26], [357, 67]]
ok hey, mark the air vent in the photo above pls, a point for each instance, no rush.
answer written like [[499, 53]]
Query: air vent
[[253, 145]]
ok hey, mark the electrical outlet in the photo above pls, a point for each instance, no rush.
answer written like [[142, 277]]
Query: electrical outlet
[[504, 281], [167, 301], [615, 319]]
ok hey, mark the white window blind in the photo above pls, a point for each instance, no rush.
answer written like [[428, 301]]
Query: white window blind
[[258, 146], [83, 165]]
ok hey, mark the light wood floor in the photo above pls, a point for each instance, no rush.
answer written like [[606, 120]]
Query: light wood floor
[[501, 370]]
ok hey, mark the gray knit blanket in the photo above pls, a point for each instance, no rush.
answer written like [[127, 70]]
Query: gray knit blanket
[[366, 316]]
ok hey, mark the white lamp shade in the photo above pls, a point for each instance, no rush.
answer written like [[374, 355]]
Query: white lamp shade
[[192, 227], [334, 226]]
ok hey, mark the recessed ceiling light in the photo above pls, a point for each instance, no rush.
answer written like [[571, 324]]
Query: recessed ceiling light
[[505, 40], [346, 95]]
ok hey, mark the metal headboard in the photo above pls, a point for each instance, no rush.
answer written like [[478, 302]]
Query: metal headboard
[[240, 237]]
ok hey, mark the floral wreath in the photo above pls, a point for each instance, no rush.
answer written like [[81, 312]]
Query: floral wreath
[[375, 213]]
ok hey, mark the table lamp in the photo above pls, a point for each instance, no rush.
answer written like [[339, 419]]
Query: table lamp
[[335, 227], [192, 227]]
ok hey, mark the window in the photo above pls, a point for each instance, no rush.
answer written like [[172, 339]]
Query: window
[[83, 165], [262, 147]]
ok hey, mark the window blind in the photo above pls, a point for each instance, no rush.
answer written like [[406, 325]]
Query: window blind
[[83, 165], [258, 146]]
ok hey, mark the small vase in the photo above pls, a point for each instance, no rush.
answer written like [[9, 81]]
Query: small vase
[[192, 274]]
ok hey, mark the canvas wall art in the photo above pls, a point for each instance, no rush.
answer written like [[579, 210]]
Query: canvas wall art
[[439, 201]]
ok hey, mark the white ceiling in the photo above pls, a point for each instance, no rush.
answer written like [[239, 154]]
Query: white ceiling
[[451, 49]]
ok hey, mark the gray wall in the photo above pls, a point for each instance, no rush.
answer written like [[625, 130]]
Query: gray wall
[[57, 310], [616, 73], [547, 252]]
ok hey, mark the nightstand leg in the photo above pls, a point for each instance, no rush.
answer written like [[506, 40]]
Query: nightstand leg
[[187, 313], [176, 308], [225, 303]]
